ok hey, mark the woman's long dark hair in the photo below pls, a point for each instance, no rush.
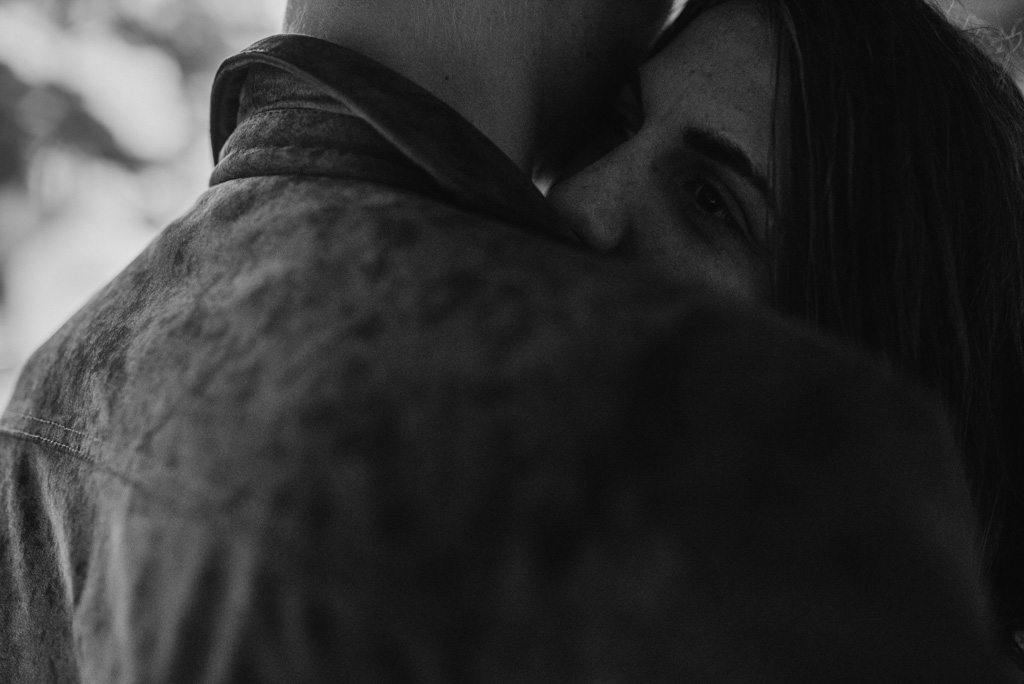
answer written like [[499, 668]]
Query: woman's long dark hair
[[902, 224]]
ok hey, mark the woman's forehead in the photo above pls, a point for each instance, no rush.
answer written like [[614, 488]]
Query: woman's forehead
[[718, 76], [724, 57]]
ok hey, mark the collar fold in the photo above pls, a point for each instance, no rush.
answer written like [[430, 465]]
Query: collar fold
[[465, 165]]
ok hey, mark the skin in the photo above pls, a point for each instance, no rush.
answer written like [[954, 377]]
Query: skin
[[665, 197], [527, 73]]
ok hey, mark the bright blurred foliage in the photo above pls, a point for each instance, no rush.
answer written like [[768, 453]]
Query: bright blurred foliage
[[103, 140], [103, 137]]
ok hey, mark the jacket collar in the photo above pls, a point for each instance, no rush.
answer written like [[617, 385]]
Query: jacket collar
[[427, 134]]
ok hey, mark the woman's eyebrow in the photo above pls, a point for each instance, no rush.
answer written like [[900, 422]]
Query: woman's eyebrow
[[724, 151]]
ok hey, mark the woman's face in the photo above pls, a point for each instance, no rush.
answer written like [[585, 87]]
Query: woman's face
[[691, 194]]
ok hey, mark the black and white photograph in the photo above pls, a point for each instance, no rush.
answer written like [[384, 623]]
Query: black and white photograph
[[511, 341]]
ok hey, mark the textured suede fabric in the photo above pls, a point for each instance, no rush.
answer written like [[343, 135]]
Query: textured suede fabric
[[365, 414]]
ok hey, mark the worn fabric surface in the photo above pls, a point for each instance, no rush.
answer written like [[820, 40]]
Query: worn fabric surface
[[366, 414]]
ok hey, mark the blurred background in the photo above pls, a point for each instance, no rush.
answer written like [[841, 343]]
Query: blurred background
[[103, 137], [103, 140]]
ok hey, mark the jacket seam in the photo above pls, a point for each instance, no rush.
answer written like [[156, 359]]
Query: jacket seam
[[206, 506], [34, 419], [205, 511], [20, 434]]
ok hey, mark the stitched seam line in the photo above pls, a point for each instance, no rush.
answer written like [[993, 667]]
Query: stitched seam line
[[205, 511], [52, 442], [76, 454], [52, 424], [82, 455]]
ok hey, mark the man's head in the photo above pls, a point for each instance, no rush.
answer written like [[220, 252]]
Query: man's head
[[586, 48], [527, 72]]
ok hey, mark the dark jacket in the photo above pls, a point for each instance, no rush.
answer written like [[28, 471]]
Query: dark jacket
[[366, 414]]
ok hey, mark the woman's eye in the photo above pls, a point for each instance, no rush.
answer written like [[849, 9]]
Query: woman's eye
[[709, 200], [710, 208], [711, 212]]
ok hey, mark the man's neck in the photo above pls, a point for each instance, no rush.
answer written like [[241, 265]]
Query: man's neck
[[485, 82]]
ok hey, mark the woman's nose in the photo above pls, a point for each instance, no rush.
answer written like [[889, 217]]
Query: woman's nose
[[591, 203]]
